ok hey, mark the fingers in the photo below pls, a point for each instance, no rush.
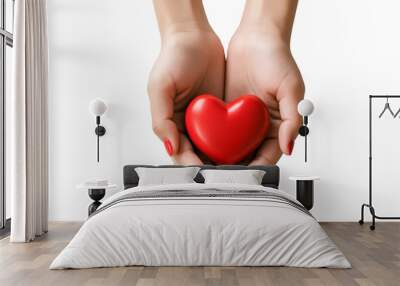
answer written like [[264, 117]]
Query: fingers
[[273, 130], [162, 94], [186, 156], [268, 154], [289, 95]]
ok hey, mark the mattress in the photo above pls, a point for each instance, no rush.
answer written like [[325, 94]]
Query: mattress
[[201, 225]]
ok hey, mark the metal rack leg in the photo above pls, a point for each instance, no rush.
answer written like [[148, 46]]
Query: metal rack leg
[[372, 210], [361, 221]]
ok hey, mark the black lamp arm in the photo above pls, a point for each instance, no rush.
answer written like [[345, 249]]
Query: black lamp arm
[[303, 131], [305, 120], [99, 131]]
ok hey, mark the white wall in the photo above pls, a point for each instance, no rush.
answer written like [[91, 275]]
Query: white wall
[[345, 50]]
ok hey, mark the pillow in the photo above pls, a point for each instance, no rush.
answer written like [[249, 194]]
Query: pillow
[[163, 176], [248, 177]]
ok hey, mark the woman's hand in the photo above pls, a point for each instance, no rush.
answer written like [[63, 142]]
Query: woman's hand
[[261, 64], [191, 62]]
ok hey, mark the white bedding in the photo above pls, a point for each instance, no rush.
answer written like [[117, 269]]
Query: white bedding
[[200, 231]]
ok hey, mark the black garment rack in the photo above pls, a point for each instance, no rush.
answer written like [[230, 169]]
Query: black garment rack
[[370, 205]]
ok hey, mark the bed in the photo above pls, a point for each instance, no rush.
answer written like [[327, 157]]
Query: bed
[[201, 224]]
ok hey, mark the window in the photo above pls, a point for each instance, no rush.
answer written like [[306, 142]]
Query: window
[[6, 44]]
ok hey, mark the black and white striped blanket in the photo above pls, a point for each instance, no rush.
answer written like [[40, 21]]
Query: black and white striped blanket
[[205, 194]]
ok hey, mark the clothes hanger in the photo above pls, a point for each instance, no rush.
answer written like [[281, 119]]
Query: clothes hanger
[[387, 107], [397, 113]]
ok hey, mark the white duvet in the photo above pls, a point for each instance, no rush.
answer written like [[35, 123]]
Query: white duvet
[[199, 231]]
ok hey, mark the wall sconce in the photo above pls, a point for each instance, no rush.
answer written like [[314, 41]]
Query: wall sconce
[[305, 108], [97, 107]]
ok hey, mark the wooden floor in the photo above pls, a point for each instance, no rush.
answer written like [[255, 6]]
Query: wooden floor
[[375, 257]]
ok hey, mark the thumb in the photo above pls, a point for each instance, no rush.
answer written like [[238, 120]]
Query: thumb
[[161, 95], [289, 95]]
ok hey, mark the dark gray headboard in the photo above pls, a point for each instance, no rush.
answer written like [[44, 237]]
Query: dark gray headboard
[[271, 177]]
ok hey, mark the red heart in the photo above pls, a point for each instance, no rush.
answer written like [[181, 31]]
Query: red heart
[[227, 133]]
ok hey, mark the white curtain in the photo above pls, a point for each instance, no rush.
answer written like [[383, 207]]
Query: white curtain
[[28, 157]]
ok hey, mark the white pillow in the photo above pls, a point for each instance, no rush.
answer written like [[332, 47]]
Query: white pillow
[[163, 176], [248, 177]]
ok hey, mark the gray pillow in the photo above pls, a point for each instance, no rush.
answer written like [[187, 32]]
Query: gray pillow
[[247, 177], [163, 176]]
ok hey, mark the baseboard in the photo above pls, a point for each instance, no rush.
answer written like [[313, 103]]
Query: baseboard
[[5, 231]]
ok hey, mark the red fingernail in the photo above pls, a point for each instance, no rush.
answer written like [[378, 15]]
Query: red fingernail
[[290, 147], [168, 147]]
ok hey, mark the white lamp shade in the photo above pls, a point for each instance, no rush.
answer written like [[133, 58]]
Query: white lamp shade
[[305, 107], [97, 107]]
